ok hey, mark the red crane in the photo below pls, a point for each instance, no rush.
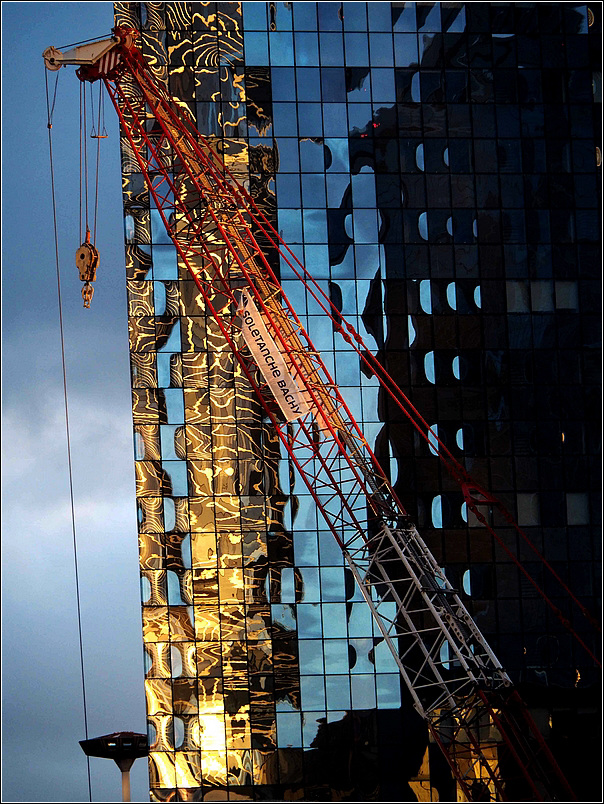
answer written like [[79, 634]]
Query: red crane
[[457, 684]]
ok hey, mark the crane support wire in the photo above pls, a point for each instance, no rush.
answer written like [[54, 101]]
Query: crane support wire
[[50, 111], [98, 154]]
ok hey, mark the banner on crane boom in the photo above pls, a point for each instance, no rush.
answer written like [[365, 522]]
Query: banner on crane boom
[[270, 360]]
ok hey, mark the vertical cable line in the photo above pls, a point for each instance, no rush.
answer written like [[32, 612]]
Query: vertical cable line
[[98, 155], [69, 464], [84, 130]]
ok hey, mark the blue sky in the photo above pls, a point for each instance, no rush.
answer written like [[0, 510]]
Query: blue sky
[[42, 699]]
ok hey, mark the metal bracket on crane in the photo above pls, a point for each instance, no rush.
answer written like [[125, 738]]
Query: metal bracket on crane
[[54, 59]]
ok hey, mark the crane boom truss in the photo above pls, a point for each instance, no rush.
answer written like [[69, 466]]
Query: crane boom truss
[[455, 680]]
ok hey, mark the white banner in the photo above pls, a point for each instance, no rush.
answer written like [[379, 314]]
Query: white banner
[[270, 360]]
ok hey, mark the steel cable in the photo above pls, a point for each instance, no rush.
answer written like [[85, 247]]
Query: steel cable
[[68, 438]]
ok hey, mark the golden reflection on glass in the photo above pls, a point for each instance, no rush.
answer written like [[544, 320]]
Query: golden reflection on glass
[[209, 656]]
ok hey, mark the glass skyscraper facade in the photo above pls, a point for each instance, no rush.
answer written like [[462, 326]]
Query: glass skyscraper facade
[[436, 167]]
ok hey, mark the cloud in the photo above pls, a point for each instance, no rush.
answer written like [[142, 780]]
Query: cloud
[[42, 685]]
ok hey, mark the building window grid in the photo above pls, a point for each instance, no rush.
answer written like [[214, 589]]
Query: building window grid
[[557, 281]]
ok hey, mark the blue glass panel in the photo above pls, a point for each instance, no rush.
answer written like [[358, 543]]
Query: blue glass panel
[[338, 159], [295, 292], [382, 85], [290, 228], [365, 226], [363, 649], [308, 83], [256, 48], [405, 50], [280, 15], [164, 262], [174, 592], [315, 225], [311, 725], [169, 514], [335, 123], [254, 16], [163, 370], [352, 398], [332, 584], [310, 653], [357, 50], [336, 656], [347, 370], [287, 151], [305, 549], [384, 660], [313, 193], [380, 16], [311, 591], [159, 298], [332, 50], [355, 16], [305, 17], [363, 691], [285, 120], [334, 620], [312, 697], [329, 550], [285, 615], [288, 190], [167, 433], [306, 516], [430, 21], [289, 729], [337, 184], [338, 692], [281, 48], [185, 551], [380, 48], [173, 343], [322, 337], [158, 230], [403, 18], [310, 120], [307, 49], [145, 589], [177, 477], [282, 81], [359, 117], [316, 259], [309, 621], [175, 406], [388, 691]]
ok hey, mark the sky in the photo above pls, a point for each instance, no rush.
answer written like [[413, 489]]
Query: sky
[[42, 710]]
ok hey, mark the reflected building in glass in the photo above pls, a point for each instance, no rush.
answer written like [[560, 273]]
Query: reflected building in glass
[[435, 166]]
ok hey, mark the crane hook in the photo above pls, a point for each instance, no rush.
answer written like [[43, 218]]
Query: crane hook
[[87, 261]]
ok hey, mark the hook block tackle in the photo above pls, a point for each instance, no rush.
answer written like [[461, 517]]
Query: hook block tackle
[[87, 261]]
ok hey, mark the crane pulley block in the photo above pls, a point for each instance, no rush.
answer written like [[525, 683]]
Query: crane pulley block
[[87, 261]]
